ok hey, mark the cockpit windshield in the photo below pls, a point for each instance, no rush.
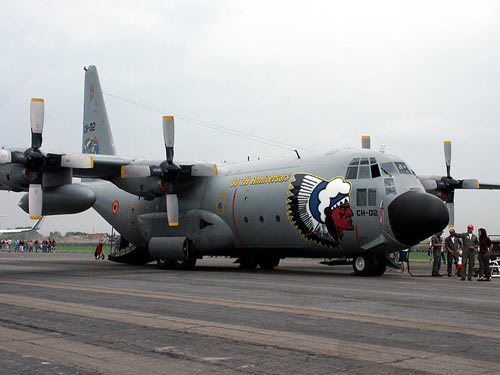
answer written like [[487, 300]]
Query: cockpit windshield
[[360, 168]]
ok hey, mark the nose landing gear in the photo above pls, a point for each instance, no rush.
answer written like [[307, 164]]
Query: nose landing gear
[[369, 265]]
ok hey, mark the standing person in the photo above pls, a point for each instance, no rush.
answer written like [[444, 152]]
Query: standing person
[[37, 245], [437, 245], [403, 258], [452, 245], [470, 243], [458, 272], [485, 249], [9, 244], [98, 251]]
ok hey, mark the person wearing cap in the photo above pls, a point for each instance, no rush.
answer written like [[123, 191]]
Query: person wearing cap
[[437, 245], [452, 245], [470, 243]]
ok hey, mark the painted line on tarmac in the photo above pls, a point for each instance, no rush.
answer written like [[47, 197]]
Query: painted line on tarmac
[[372, 318], [52, 348], [415, 360]]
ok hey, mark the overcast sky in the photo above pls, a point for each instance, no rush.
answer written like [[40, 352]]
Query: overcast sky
[[316, 75]]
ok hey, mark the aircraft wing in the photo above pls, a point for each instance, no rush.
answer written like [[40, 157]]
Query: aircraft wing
[[34, 228], [489, 186], [436, 184], [104, 167]]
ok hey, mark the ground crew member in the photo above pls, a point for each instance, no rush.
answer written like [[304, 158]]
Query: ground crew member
[[470, 243], [452, 245], [437, 245]]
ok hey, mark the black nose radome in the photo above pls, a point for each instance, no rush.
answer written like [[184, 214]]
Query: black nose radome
[[414, 216]]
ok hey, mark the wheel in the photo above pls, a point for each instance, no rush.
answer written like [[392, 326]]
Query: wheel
[[363, 265], [248, 262], [269, 262], [165, 264], [380, 267], [186, 264]]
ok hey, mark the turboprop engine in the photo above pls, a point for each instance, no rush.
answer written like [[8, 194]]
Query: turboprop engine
[[63, 200]]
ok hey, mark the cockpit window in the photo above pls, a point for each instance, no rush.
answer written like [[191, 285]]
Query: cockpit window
[[388, 168], [364, 171], [362, 168], [402, 168], [352, 173]]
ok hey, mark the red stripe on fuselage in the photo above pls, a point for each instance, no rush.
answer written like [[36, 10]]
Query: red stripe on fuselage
[[234, 220], [357, 236]]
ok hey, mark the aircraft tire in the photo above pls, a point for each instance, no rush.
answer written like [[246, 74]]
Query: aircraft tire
[[363, 265], [269, 262], [186, 264], [165, 264], [248, 263], [380, 267]]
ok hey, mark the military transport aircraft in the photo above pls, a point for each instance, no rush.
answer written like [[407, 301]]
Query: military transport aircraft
[[34, 228], [349, 206]]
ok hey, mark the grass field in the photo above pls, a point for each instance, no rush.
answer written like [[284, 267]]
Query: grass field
[[77, 248]]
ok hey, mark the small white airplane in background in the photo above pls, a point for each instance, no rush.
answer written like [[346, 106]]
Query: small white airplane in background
[[34, 228]]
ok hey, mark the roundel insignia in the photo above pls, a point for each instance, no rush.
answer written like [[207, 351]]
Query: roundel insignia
[[320, 209], [91, 146], [115, 207]]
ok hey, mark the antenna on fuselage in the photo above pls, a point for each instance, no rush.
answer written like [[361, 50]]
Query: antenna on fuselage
[[382, 149], [298, 156]]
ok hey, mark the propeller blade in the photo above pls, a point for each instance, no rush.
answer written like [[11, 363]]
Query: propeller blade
[[5, 156], [204, 169], [470, 183], [35, 201], [447, 157], [172, 210], [451, 211], [37, 115], [168, 137], [135, 171], [365, 142], [80, 161]]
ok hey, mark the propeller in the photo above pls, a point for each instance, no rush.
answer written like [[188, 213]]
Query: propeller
[[447, 185], [36, 162], [168, 171]]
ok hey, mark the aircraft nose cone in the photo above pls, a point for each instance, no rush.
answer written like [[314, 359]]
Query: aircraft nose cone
[[414, 216]]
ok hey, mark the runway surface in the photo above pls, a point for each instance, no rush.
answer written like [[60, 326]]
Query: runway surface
[[70, 314]]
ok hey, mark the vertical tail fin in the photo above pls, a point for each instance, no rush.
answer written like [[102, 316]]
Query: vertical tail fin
[[97, 137]]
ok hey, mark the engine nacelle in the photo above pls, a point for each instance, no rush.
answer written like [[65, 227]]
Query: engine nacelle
[[63, 200], [169, 248], [149, 188], [13, 177]]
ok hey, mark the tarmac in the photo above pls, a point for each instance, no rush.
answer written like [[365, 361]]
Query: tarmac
[[71, 314]]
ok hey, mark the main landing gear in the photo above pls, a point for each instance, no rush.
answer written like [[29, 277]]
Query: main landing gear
[[369, 265], [185, 264], [265, 262]]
